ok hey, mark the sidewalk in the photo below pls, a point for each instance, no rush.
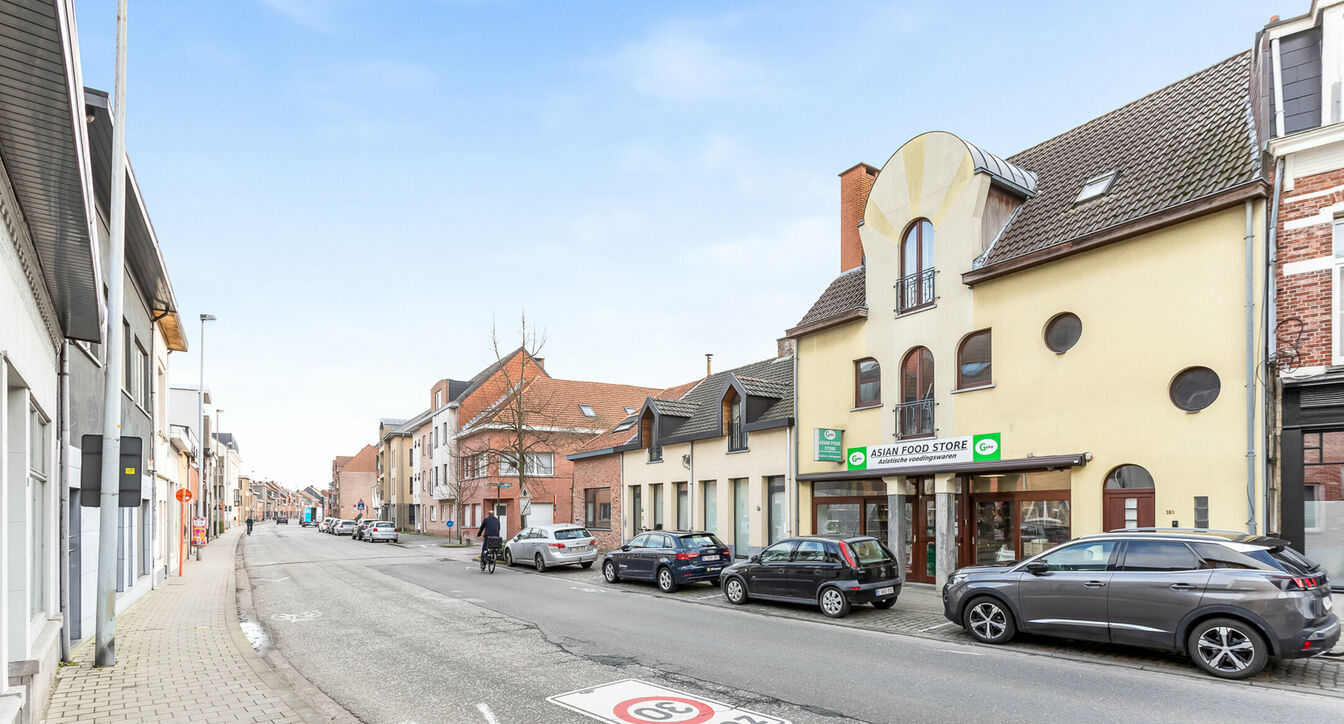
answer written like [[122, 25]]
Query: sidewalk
[[181, 657]]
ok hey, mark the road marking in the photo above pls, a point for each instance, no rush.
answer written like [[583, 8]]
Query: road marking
[[297, 617], [963, 653], [485, 712], [631, 701], [586, 590], [949, 623], [270, 580]]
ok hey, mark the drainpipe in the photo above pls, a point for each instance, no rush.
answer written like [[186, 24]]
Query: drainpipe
[[63, 480], [1250, 368], [796, 498], [690, 489], [1271, 317], [788, 482]]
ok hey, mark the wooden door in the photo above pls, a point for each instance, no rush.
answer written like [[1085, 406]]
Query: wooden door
[[1127, 509]]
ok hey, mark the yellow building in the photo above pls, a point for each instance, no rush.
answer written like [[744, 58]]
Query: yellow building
[[1023, 350]]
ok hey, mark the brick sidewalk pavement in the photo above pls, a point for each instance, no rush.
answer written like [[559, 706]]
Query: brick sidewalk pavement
[[181, 657]]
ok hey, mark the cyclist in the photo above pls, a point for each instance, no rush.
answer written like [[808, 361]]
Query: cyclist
[[489, 533], [249, 525]]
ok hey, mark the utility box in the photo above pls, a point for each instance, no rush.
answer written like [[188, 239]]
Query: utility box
[[91, 471]]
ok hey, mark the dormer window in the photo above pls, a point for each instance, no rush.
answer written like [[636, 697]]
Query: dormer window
[[1097, 186], [737, 429], [587, 410]]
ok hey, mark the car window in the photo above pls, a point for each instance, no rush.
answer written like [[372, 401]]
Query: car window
[[572, 533], [698, 540], [667, 542], [778, 552], [639, 541], [1092, 556], [810, 551], [1159, 555], [870, 551]]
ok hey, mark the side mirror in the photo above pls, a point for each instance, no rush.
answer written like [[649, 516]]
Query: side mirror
[[625, 547], [755, 559], [1037, 568]]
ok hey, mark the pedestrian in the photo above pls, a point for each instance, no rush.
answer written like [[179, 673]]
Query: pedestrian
[[249, 524], [489, 529]]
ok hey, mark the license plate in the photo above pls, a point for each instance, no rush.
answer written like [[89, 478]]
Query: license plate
[[886, 591], [580, 548], [709, 558]]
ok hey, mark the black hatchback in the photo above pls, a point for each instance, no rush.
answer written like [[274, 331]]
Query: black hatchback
[[668, 558], [831, 573]]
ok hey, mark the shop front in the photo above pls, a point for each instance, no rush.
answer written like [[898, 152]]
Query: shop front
[[1312, 504]]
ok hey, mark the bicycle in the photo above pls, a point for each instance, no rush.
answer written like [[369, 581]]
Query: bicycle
[[490, 554]]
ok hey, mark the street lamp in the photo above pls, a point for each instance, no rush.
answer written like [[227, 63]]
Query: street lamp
[[200, 420]]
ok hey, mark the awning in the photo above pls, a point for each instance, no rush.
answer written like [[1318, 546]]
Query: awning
[[1042, 462]]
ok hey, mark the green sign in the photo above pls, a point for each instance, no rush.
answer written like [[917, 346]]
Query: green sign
[[929, 451], [828, 445]]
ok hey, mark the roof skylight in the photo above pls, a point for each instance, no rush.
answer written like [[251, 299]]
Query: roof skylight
[[1095, 187], [623, 426], [587, 410], [629, 410]]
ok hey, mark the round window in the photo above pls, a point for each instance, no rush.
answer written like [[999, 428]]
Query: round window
[[1129, 477], [1195, 388], [1062, 332]]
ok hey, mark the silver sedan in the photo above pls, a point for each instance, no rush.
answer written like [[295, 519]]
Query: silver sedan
[[552, 545]]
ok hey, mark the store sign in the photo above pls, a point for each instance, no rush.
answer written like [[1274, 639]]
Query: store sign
[[828, 445], [935, 451]]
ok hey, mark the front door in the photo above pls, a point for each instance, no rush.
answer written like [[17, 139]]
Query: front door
[[636, 511], [1070, 598], [1127, 508]]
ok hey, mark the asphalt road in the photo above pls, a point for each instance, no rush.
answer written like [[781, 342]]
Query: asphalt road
[[398, 635]]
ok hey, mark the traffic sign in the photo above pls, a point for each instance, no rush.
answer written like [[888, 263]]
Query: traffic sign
[[449, 523], [505, 485], [184, 495], [361, 505], [632, 701]]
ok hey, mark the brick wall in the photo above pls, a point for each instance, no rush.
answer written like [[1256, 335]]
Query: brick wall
[[1303, 329], [600, 472], [855, 183]]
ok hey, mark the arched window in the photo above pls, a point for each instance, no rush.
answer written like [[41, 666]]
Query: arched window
[[916, 286], [974, 361], [1127, 501], [914, 416], [867, 383]]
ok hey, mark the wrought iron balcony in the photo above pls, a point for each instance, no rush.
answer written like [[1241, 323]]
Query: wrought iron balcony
[[914, 291], [914, 419]]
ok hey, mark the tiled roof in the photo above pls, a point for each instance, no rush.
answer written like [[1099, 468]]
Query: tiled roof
[[706, 397], [1188, 140], [763, 388], [558, 403], [676, 408], [614, 437], [845, 294]]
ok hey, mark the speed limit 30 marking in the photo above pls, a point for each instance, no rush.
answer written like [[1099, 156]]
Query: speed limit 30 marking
[[631, 701]]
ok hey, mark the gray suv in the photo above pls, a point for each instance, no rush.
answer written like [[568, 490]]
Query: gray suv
[[1229, 600]]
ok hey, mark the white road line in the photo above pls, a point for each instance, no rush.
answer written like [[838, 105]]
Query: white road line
[[485, 712], [963, 653], [949, 623]]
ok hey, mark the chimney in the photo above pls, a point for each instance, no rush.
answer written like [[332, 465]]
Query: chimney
[[785, 346], [709, 358], [541, 363], [855, 183]]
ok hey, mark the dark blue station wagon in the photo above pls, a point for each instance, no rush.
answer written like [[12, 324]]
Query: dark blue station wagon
[[668, 558]]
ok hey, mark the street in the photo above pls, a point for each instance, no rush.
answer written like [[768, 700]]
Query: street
[[399, 634]]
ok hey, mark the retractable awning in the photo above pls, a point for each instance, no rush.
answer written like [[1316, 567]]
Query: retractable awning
[[1042, 462]]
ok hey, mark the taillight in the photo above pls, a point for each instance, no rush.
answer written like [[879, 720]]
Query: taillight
[[558, 546], [687, 556], [723, 551], [849, 557], [1297, 583]]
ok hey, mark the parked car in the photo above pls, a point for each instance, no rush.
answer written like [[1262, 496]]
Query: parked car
[[362, 526], [380, 530], [282, 520], [552, 545], [1228, 600], [669, 558], [343, 527], [831, 573], [325, 525]]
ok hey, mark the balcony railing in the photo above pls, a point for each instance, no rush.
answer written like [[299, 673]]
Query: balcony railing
[[914, 291], [914, 419]]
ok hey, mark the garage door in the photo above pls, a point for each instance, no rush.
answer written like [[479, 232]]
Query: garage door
[[542, 514]]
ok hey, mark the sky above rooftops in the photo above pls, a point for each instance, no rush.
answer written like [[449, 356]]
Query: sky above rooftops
[[356, 188]]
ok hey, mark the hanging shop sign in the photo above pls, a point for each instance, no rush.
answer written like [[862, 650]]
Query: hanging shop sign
[[930, 451], [828, 445]]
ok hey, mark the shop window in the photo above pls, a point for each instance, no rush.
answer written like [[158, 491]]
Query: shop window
[[867, 383], [1044, 524], [973, 361], [1195, 388], [1062, 332]]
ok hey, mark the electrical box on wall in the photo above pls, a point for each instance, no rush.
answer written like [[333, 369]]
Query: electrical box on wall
[[129, 468]]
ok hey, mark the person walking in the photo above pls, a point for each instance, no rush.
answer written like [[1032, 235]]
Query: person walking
[[249, 524]]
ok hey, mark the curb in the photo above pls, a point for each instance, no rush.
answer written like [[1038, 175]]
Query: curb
[[312, 705]]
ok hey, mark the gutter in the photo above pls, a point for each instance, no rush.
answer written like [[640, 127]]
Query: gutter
[[1250, 367], [63, 480], [1271, 330], [832, 321]]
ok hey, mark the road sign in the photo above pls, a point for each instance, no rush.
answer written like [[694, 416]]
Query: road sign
[[505, 485], [360, 506], [632, 701], [184, 495], [449, 523]]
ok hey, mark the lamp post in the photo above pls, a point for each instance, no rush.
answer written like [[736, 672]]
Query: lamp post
[[200, 418], [221, 468]]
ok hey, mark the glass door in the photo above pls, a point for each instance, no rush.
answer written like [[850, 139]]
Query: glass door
[[994, 539], [741, 519], [636, 510]]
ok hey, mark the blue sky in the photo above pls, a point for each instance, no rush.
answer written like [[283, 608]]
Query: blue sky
[[357, 188]]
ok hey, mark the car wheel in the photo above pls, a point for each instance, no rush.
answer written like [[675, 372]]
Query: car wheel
[[1227, 648], [989, 621], [833, 603], [508, 557], [540, 563], [888, 603], [586, 564], [609, 572], [735, 591], [666, 583]]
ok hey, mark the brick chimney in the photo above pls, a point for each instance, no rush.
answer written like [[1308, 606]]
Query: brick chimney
[[855, 183]]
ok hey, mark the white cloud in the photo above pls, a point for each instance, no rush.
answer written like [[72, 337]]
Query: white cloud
[[677, 63]]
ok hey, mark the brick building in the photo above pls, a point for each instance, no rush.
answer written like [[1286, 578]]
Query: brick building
[[1299, 98], [353, 479]]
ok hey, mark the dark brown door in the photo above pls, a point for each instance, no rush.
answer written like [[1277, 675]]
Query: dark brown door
[[1127, 509]]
